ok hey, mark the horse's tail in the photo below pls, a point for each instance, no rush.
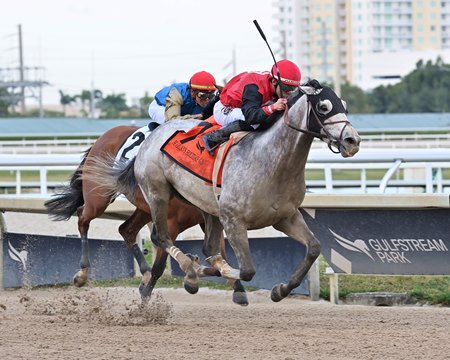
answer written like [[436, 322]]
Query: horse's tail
[[114, 177], [65, 203]]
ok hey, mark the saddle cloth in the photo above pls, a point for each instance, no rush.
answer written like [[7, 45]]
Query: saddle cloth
[[188, 150], [131, 145]]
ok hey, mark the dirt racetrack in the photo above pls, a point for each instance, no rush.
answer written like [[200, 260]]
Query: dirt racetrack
[[108, 323]]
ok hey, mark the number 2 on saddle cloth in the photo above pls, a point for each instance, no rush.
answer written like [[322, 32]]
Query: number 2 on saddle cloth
[[188, 150]]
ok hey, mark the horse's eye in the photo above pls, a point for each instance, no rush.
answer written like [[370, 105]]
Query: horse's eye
[[324, 107]]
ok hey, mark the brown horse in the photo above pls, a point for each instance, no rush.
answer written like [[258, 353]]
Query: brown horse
[[86, 198]]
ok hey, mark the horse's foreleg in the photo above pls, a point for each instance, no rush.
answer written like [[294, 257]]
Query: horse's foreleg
[[237, 236], [214, 236], [296, 228], [159, 264], [129, 231], [211, 247], [81, 277], [213, 231], [239, 294]]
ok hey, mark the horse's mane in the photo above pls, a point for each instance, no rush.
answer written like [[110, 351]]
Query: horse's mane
[[272, 119]]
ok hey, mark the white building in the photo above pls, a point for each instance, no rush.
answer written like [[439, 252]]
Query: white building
[[365, 42]]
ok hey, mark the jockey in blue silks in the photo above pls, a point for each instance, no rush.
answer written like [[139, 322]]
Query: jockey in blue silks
[[183, 100]]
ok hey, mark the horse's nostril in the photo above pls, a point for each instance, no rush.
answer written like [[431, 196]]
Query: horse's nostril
[[352, 141]]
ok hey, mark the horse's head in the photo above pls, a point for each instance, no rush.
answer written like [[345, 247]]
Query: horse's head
[[327, 119]]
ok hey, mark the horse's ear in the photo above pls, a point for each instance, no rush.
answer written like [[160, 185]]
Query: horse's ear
[[310, 90]]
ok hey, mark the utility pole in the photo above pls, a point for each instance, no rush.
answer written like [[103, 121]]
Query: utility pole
[[18, 79], [234, 60], [323, 28], [337, 81], [92, 104], [232, 63], [21, 71]]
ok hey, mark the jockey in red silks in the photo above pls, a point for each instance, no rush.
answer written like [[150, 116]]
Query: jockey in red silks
[[249, 98], [183, 100]]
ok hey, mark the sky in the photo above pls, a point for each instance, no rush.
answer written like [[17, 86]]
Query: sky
[[134, 46]]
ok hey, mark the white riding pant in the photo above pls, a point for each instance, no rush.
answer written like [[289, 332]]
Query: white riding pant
[[156, 112], [225, 114]]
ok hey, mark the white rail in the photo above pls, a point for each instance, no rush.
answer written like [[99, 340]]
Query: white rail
[[53, 146], [58, 146], [399, 171]]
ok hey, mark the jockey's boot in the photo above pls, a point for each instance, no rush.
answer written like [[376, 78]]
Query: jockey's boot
[[215, 138]]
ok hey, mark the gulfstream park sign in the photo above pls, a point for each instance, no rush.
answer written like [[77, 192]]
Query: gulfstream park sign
[[391, 250], [413, 242]]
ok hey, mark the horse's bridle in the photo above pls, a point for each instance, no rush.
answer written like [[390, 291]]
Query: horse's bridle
[[319, 124]]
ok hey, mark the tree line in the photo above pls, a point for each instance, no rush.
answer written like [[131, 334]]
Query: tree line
[[425, 89], [110, 106]]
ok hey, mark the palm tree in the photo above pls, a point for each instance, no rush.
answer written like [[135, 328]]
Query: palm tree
[[113, 104], [85, 98], [66, 99]]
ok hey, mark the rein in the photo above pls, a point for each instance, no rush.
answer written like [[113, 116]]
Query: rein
[[319, 123]]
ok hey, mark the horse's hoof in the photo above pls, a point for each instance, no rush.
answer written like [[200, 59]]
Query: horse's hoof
[[78, 281], [81, 277], [190, 287], [194, 258], [145, 291], [144, 303], [276, 294], [240, 298]]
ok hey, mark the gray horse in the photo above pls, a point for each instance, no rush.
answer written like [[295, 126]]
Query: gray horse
[[263, 183]]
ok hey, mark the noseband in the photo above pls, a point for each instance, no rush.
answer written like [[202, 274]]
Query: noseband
[[317, 124]]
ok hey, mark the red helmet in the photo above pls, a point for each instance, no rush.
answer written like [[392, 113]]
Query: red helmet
[[289, 73], [203, 81]]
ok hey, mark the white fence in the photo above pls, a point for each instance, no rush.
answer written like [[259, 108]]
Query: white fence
[[402, 171], [55, 146], [70, 146]]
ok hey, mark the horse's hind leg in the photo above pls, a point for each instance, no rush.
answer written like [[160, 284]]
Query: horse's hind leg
[[296, 228], [175, 226], [159, 205], [129, 231]]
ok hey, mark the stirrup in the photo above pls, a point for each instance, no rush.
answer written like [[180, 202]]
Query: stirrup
[[212, 148], [208, 147]]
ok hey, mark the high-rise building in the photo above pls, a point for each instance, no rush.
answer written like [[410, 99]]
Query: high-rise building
[[364, 42]]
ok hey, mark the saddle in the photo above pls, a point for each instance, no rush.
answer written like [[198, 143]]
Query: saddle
[[188, 150]]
